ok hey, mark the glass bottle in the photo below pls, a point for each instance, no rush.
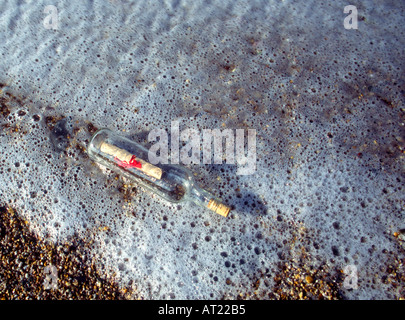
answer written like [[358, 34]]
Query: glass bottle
[[130, 159]]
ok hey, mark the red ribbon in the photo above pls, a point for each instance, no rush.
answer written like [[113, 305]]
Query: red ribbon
[[133, 163]]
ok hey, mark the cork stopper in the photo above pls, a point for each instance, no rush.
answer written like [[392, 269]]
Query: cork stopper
[[218, 207], [124, 158]]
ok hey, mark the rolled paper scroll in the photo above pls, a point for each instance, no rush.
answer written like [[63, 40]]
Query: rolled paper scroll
[[127, 160]]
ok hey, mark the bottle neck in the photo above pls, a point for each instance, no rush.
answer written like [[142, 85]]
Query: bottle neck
[[199, 196], [205, 199]]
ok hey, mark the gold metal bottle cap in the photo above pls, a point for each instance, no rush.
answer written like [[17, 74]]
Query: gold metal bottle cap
[[218, 207]]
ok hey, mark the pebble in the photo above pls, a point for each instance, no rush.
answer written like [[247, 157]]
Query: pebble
[[23, 262]]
